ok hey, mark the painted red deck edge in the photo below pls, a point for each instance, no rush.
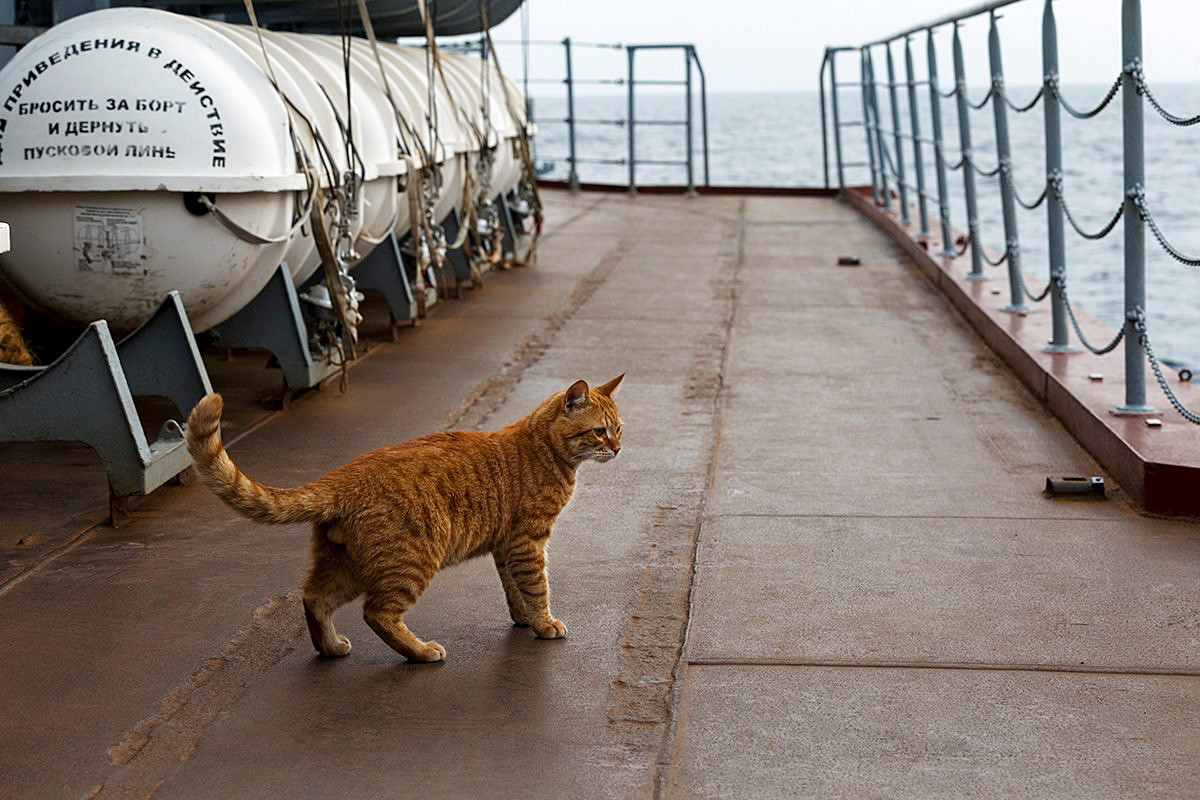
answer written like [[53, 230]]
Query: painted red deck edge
[[1158, 468]]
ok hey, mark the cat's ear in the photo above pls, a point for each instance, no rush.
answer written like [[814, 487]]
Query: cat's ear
[[576, 397], [610, 388]]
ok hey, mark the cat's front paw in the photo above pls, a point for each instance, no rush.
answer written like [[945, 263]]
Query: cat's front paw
[[550, 629], [518, 618], [431, 652]]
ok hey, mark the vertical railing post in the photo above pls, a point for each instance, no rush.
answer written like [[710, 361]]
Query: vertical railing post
[[824, 121], [880, 146], [939, 151], [868, 127], [1060, 341], [703, 110], [964, 138], [1135, 230], [918, 157], [687, 69], [631, 126], [837, 122], [573, 175], [897, 138], [1012, 239]]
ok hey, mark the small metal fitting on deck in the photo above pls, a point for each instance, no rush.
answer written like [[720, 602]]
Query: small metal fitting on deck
[[1075, 485]]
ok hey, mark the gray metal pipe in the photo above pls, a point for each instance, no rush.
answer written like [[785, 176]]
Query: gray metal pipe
[[573, 174], [863, 77], [1060, 341], [964, 138], [1012, 239], [1135, 228], [939, 152], [918, 156], [969, 11], [896, 137], [687, 68], [837, 123], [880, 146], [630, 124]]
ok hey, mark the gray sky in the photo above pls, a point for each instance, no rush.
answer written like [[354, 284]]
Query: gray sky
[[776, 45]]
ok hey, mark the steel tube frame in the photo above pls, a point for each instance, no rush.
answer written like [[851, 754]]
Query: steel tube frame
[[687, 69], [1135, 229], [631, 127], [837, 128], [1060, 341], [896, 137], [939, 152], [918, 160], [964, 136], [876, 194], [970, 11], [879, 143], [573, 174], [1012, 238], [703, 108]]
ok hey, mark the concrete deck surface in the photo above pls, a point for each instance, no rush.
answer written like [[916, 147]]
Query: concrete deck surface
[[822, 566]]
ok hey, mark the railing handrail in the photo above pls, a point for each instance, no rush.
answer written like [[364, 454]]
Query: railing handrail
[[966, 13], [886, 159]]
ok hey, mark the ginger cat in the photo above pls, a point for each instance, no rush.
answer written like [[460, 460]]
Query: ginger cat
[[385, 523]]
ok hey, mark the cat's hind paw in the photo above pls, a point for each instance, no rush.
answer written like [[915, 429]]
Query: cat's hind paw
[[338, 650]]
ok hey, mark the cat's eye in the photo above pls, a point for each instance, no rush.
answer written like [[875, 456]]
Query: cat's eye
[[599, 431]]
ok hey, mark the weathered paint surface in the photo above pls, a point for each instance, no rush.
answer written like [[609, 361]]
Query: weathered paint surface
[[821, 566]]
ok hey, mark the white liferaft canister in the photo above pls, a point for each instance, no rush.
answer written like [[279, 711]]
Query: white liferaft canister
[[113, 123]]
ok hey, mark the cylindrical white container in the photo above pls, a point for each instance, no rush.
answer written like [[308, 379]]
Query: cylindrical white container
[[113, 123]]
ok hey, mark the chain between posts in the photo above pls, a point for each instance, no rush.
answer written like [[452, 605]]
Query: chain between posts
[[1053, 84], [1056, 185], [1134, 68], [1138, 195], [1059, 279], [1020, 109], [1138, 318]]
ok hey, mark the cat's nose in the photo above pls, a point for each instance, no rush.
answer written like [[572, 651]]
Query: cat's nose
[[616, 449]]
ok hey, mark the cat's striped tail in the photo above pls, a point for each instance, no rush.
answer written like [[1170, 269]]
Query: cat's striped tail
[[249, 498]]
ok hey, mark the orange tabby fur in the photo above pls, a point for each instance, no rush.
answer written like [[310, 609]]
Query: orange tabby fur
[[385, 523]]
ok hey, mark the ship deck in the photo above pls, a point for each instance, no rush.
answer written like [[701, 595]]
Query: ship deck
[[823, 564]]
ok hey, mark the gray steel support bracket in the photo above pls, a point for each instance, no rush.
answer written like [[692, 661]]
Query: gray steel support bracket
[[509, 246], [273, 322], [383, 271], [87, 394], [432, 279], [457, 256]]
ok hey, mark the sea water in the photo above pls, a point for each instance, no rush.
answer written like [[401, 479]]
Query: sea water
[[774, 139]]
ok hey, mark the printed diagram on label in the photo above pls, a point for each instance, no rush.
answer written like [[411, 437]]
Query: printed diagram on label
[[109, 239]]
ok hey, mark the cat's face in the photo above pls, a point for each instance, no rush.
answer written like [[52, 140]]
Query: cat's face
[[588, 427]]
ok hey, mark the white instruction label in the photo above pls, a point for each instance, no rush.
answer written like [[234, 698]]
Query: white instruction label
[[109, 239]]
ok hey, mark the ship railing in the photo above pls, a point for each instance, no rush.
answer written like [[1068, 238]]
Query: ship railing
[[893, 191], [693, 69]]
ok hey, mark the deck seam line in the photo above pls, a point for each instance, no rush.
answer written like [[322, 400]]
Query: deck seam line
[[763, 515], [968, 666], [671, 734]]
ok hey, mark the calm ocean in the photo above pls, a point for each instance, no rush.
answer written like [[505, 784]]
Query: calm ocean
[[768, 139]]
